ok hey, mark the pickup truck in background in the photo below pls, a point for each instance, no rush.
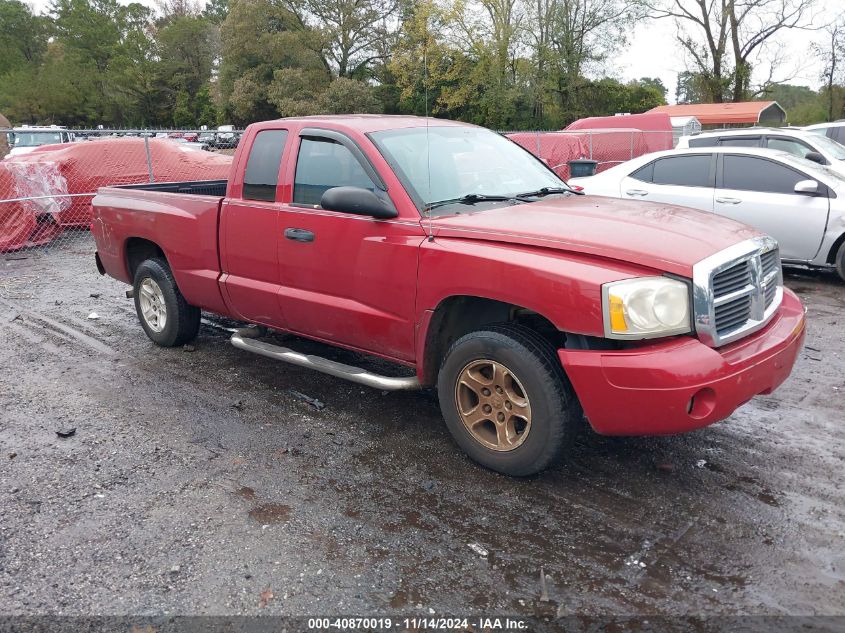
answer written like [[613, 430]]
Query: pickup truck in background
[[447, 249]]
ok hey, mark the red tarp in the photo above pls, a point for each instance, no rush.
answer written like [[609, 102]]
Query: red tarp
[[609, 147], [83, 168], [553, 148], [656, 127]]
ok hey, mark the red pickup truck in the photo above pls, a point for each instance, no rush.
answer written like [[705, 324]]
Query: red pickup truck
[[449, 250]]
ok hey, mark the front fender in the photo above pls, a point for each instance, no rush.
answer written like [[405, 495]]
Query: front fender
[[563, 287]]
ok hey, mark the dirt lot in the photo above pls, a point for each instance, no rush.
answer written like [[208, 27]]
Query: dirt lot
[[202, 481]]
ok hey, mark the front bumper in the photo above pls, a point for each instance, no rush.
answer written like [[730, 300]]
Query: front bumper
[[681, 384]]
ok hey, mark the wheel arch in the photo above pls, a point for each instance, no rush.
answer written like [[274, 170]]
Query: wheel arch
[[138, 249], [458, 315], [834, 250]]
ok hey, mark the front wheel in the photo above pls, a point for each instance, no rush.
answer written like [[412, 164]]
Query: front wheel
[[506, 399], [166, 317]]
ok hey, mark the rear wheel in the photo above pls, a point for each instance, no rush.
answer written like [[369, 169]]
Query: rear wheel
[[840, 261], [166, 317], [506, 400]]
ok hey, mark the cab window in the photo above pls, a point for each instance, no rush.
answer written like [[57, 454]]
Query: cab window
[[322, 165], [748, 173], [262, 166], [792, 146], [740, 141]]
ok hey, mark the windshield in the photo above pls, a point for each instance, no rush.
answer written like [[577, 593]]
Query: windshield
[[446, 163], [34, 139], [830, 146]]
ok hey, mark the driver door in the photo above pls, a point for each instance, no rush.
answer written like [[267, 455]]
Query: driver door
[[347, 279]]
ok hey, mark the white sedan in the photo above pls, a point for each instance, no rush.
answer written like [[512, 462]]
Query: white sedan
[[798, 202]]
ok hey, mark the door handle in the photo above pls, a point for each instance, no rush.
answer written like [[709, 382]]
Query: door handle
[[636, 192], [728, 200], [299, 235]]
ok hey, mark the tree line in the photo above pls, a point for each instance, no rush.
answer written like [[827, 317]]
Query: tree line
[[508, 64], [505, 64]]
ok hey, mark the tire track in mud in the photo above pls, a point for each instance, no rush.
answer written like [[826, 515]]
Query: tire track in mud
[[51, 326]]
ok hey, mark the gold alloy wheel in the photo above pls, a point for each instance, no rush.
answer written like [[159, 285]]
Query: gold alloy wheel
[[493, 405]]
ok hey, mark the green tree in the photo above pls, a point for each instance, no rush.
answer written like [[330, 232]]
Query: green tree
[[348, 96], [351, 32], [260, 38], [183, 117], [206, 111], [216, 11], [23, 36]]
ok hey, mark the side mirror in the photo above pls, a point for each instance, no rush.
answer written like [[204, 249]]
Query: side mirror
[[808, 187], [357, 201], [815, 157]]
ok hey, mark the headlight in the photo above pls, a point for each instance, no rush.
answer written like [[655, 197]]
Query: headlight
[[645, 307]]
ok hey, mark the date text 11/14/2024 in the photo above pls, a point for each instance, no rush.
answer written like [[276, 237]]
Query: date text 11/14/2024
[[419, 623]]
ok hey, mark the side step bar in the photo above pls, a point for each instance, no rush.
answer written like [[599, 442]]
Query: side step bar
[[245, 339]]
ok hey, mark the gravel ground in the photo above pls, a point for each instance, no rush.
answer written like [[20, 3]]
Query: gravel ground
[[208, 481]]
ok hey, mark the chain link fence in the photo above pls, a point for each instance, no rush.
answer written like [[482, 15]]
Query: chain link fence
[[46, 187]]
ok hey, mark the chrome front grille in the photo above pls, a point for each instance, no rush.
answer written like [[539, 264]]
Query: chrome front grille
[[732, 279], [736, 291], [733, 314]]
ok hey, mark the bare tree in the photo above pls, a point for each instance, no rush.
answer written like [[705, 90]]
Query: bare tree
[[353, 30], [568, 36], [707, 27], [831, 53], [177, 8]]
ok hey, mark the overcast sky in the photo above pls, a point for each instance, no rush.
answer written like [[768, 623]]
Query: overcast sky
[[653, 51]]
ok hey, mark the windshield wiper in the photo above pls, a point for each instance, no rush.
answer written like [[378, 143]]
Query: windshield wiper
[[545, 191], [470, 198]]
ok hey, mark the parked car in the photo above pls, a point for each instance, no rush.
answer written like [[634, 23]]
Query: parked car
[[799, 142], [798, 202], [26, 138], [486, 276], [226, 137], [207, 139], [834, 130], [190, 144]]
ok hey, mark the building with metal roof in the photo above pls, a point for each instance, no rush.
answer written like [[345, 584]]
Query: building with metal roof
[[726, 114]]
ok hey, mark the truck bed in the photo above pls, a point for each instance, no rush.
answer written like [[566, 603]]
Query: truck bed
[[191, 187], [179, 218]]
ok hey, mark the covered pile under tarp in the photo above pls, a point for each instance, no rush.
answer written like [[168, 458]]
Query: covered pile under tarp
[[610, 147], [553, 148], [82, 168], [656, 128]]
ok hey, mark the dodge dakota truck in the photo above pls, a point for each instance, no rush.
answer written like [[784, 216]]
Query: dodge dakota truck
[[451, 252]]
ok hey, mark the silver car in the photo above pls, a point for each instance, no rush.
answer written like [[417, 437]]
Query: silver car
[[797, 201]]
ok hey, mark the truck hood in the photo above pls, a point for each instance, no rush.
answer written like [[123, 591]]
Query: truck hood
[[660, 236]]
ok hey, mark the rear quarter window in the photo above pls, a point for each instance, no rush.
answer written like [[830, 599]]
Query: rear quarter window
[[262, 166], [644, 173], [683, 171]]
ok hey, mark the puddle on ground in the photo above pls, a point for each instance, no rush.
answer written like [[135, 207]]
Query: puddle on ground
[[768, 498], [270, 513]]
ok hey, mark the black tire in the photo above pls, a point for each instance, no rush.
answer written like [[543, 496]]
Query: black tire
[[182, 321], [555, 411], [840, 262]]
